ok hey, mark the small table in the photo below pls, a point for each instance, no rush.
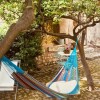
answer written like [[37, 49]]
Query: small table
[[63, 56], [61, 53]]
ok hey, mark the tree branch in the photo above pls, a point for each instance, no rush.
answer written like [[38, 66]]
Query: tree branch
[[60, 35], [70, 17], [89, 25], [79, 21]]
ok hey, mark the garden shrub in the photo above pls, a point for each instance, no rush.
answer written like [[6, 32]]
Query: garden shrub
[[25, 48]]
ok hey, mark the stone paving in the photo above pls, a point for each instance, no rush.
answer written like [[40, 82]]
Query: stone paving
[[44, 75]]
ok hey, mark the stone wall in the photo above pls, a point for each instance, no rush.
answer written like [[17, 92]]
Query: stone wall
[[49, 57], [46, 59]]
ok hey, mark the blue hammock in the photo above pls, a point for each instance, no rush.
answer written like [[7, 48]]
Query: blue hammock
[[68, 72]]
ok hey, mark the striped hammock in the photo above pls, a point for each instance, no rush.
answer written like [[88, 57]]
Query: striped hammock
[[68, 73]]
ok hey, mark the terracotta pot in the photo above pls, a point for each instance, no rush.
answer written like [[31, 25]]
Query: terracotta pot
[[66, 51]]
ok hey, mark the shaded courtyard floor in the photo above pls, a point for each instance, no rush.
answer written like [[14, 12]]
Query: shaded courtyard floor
[[48, 72]]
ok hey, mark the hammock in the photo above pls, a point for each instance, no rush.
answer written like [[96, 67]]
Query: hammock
[[66, 78]]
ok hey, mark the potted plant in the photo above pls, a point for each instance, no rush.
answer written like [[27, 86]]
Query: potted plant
[[67, 48]]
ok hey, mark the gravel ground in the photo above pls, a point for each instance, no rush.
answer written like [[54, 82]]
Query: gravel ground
[[46, 75]]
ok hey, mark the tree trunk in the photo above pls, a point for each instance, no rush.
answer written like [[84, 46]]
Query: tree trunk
[[86, 67], [22, 24]]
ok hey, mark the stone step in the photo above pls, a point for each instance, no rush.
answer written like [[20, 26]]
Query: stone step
[[92, 56]]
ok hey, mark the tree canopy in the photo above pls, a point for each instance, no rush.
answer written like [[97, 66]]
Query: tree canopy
[[11, 10]]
